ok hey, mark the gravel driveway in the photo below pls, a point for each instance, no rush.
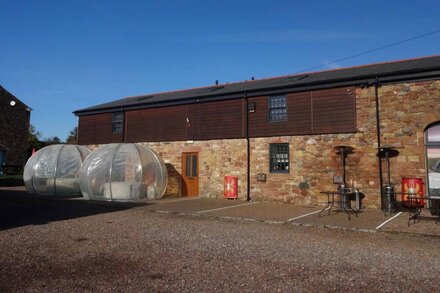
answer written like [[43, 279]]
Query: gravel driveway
[[104, 248]]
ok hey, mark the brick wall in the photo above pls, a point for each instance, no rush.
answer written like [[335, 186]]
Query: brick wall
[[14, 128]]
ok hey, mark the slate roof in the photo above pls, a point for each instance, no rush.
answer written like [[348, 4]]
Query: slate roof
[[398, 71]]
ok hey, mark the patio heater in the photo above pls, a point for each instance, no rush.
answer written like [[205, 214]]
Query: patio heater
[[343, 151], [388, 189]]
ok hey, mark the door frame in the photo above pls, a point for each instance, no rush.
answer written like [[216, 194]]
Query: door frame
[[185, 191]]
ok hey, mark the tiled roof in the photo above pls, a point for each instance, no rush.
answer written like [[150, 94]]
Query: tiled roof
[[390, 71]]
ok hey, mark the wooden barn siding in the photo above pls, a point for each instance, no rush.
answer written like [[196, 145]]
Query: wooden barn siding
[[334, 110], [216, 120], [96, 129], [156, 124], [298, 117], [314, 112]]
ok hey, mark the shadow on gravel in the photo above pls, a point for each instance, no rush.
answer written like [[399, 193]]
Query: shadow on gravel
[[17, 208]]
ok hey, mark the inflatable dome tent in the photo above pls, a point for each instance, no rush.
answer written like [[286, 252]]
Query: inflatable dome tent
[[123, 172], [54, 170]]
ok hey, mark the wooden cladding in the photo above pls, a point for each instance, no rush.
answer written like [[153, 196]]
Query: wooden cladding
[[313, 112], [156, 124], [298, 117], [215, 120], [334, 110], [97, 129]]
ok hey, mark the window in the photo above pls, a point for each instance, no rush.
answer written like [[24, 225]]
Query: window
[[117, 122], [432, 143], [279, 158], [277, 108]]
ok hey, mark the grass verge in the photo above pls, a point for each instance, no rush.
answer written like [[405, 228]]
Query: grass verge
[[11, 180]]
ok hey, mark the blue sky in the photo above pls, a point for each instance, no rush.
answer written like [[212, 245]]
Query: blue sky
[[61, 56]]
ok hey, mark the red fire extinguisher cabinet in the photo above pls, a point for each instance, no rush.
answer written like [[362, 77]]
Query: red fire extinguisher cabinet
[[231, 187]]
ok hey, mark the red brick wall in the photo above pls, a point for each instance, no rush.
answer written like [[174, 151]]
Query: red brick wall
[[14, 128]]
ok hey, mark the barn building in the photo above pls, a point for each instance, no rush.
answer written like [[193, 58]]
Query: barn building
[[14, 129], [277, 134]]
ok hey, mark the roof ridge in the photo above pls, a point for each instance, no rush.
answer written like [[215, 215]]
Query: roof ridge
[[284, 76], [176, 91]]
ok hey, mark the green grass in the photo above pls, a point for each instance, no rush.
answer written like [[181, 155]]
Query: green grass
[[11, 180]]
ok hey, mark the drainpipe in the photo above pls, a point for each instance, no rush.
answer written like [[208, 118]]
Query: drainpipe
[[248, 151], [376, 92], [124, 119]]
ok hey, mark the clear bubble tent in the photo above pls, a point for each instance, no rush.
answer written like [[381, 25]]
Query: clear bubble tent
[[123, 172], [54, 170]]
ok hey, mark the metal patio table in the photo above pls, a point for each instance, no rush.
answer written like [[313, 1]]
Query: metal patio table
[[340, 198], [415, 206]]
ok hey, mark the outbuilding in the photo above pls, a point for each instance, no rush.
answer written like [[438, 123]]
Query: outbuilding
[[14, 129], [276, 135]]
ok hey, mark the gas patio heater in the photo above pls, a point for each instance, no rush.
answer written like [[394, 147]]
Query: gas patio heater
[[385, 153], [343, 151]]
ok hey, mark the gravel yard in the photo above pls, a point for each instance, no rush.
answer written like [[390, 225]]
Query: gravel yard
[[96, 247]]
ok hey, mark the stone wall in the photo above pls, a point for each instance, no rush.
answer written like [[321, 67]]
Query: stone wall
[[217, 158], [406, 110]]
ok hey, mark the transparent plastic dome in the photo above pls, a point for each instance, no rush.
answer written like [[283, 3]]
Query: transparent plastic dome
[[123, 172], [54, 170]]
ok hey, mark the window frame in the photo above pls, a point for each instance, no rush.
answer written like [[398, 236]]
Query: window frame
[[430, 144], [271, 108], [117, 124], [273, 150]]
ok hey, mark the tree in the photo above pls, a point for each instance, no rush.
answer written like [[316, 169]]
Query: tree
[[73, 136], [52, 140], [34, 141]]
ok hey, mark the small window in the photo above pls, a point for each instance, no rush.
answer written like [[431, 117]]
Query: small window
[[117, 122], [279, 158], [277, 108]]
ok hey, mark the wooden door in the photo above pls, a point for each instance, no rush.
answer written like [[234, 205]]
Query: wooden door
[[190, 174]]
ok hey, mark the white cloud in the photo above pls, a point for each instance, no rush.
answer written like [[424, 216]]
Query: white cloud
[[331, 65]]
